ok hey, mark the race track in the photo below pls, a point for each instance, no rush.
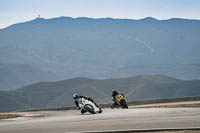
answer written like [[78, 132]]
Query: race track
[[110, 119]]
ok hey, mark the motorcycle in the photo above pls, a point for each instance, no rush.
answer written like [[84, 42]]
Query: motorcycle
[[88, 106], [120, 99]]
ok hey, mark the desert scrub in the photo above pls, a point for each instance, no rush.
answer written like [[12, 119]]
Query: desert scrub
[[7, 116]]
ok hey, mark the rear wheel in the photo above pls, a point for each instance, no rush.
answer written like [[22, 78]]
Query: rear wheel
[[89, 109]]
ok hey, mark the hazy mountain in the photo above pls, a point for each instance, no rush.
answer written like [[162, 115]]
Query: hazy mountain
[[61, 48], [59, 94], [21, 74]]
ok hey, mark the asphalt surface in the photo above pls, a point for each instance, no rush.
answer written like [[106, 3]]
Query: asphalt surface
[[110, 119]]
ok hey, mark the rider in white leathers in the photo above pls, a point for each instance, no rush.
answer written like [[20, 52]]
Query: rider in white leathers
[[77, 97]]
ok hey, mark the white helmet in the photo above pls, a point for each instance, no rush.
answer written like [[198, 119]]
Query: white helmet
[[75, 95]]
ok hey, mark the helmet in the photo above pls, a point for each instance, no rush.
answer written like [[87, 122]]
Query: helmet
[[75, 95], [114, 90]]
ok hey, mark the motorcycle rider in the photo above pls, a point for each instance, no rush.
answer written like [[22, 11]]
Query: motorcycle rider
[[114, 94], [77, 97]]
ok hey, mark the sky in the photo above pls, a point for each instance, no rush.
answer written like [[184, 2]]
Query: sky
[[15, 11]]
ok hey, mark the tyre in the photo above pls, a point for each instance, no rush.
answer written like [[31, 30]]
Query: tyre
[[100, 111], [112, 106], [124, 104], [89, 109]]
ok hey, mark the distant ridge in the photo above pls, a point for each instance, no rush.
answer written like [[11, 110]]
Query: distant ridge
[[66, 18], [62, 48], [59, 93]]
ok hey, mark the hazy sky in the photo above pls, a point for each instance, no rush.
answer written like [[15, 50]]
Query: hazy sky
[[14, 11]]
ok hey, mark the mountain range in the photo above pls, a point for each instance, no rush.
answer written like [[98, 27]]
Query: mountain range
[[59, 93], [61, 48]]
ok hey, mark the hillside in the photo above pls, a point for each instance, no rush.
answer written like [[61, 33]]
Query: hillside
[[55, 49], [59, 94]]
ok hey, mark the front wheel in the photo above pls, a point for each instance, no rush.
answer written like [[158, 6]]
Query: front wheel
[[124, 104], [100, 111], [89, 109]]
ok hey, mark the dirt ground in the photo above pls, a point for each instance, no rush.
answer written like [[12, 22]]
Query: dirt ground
[[170, 105], [8, 116], [183, 131]]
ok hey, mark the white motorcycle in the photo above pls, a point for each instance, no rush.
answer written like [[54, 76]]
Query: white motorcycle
[[88, 106]]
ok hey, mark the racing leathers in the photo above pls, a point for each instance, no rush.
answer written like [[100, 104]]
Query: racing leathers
[[114, 94], [77, 102]]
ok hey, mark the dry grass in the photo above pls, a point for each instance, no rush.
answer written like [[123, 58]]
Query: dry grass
[[8, 116], [180, 131], [170, 105]]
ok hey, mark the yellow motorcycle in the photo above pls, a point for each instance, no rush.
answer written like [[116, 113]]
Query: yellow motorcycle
[[120, 100]]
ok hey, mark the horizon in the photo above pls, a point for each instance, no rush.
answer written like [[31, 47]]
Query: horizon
[[13, 11], [97, 19]]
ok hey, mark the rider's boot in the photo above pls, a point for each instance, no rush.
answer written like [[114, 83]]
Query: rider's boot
[[83, 111]]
